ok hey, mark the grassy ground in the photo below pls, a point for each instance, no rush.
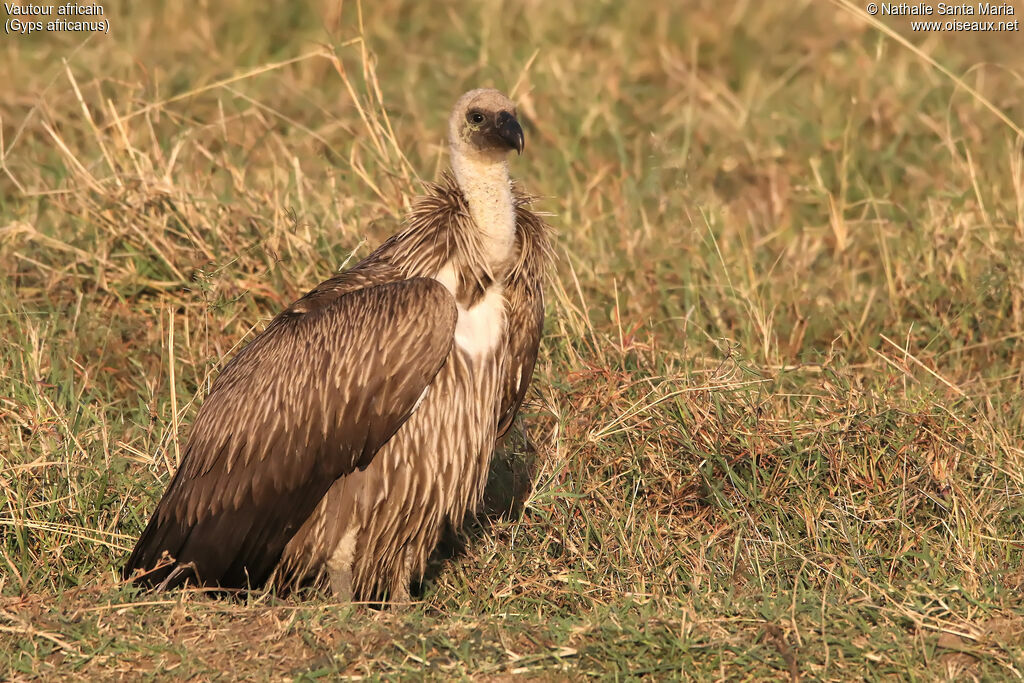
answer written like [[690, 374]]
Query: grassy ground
[[775, 431]]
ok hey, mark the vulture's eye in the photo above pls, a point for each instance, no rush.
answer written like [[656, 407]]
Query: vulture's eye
[[475, 117]]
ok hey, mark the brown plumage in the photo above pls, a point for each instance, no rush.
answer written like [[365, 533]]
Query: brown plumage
[[338, 444]]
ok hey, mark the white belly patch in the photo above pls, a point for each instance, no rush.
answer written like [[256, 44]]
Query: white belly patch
[[481, 328]]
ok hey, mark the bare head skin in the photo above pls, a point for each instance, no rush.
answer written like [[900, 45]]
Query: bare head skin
[[483, 126]]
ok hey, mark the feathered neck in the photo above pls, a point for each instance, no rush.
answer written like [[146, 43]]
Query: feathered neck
[[485, 183]]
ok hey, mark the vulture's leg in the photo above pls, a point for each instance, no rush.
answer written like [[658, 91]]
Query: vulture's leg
[[339, 567], [400, 589]]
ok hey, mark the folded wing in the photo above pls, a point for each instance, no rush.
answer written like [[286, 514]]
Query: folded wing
[[524, 293], [311, 399]]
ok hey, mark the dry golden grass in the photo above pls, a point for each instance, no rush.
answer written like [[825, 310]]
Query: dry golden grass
[[775, 431]]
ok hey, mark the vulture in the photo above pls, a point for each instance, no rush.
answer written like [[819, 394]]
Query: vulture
[[335, 448]]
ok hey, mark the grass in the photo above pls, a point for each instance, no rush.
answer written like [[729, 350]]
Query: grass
[[775, 430]]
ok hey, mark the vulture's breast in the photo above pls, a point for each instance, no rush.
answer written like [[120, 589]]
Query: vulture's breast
[[385, 520], [480, 330]]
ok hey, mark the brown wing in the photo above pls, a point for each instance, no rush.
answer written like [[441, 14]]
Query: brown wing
[[524, 294], [312, 398]]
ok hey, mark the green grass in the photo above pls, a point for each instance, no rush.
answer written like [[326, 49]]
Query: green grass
[[776, 426]]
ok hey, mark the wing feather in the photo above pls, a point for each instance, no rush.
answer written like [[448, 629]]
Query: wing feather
[[524, 293], [311, 399]]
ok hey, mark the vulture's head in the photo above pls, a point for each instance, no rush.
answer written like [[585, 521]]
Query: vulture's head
[[483, 124]]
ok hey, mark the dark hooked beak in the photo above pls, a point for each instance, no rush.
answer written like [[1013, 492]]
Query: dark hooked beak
[[510, 131]]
